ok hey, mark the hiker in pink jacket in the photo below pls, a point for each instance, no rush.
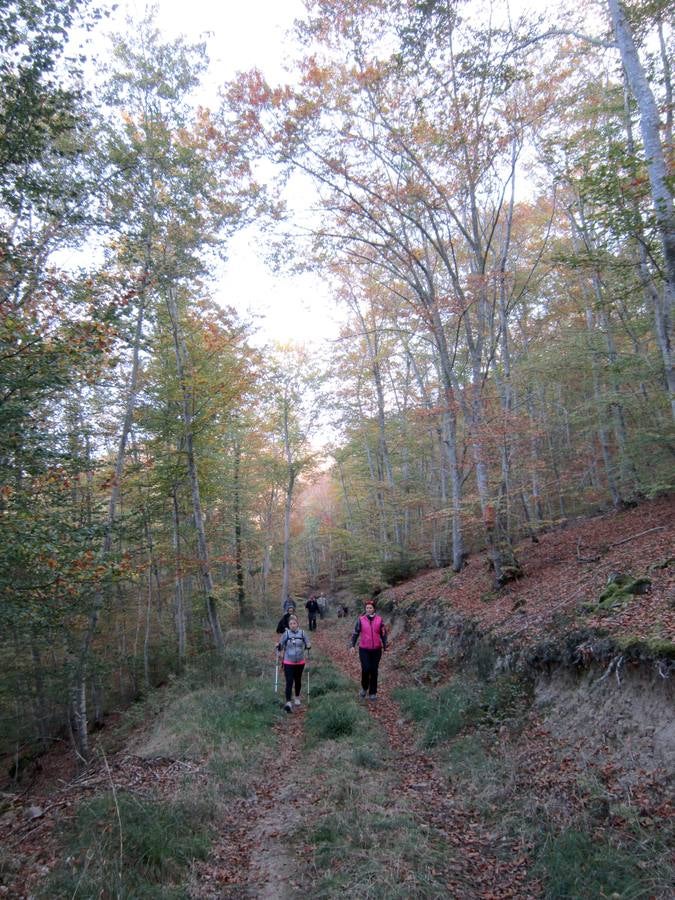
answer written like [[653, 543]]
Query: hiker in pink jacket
[[371, 631]]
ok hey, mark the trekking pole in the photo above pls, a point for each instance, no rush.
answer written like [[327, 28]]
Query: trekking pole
[[276, 671]]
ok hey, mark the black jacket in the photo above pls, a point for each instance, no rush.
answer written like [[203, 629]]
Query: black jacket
[[283, 622]]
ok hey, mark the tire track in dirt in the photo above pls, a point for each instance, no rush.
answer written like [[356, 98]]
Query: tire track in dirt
[[476, 869], [251, 858]]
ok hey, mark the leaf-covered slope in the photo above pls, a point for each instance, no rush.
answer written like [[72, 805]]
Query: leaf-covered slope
[[565, 575]]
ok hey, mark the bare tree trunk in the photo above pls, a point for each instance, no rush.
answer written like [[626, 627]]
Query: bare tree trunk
[[40, 706], [449, 419], [198, 517], [628, 475], [379, 502], [439, 536], [372, 339], [146, 636], [600, 428], [78, 718], [269, 546], [179, 598], [535, 465], [239, 567], [655, 298], [657, 168], [285, 579]]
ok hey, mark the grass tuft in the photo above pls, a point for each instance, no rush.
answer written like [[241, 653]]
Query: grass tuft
[[443, 712], [146, 857], [331, 721], [575, 867]]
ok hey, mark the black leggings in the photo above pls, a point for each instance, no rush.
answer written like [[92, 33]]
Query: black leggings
[[293, 675], [370, 660]]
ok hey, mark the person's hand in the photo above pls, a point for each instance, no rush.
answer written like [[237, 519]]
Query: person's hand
[[352, 649]]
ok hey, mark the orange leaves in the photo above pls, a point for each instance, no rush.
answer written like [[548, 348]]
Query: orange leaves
[[453, 303], [314, 74], [255, 90]]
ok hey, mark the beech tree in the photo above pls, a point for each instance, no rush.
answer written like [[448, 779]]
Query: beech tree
[[656, 162]]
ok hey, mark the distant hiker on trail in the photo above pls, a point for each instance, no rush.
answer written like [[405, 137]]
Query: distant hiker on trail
[[288, 603], [282, 624], [293, 645], [321, 600], [312, 608], [372, 633]]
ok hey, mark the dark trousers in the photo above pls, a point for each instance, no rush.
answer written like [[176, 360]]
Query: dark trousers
[[312, 621], [293, 678], [370, 660]]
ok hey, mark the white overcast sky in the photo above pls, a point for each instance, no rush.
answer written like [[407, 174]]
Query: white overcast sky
[[240, 35]]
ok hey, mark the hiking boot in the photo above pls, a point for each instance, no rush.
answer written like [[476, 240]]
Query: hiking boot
[[288, 707], [297, 701], [362, 694], [372, 697]]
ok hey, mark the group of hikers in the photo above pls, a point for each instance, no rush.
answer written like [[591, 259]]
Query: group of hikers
[[369, 632]]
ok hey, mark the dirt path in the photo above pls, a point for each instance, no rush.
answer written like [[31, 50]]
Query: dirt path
[[251, 859], [479, 864]]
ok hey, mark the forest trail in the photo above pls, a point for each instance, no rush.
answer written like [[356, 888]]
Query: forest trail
[[474, 866], [251, 857]]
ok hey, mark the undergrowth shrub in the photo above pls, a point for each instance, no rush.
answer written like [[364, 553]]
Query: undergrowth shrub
[[366, 758], [325, 680], [505, 697], [401, 568], [483, 658]]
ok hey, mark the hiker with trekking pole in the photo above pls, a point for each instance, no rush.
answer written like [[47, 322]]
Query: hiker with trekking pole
[[371, 631], [293, 645]]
